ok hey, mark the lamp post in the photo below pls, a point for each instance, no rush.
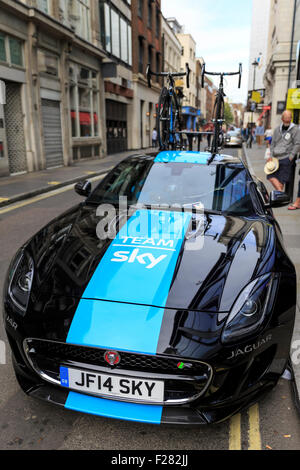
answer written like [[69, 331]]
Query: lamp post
[[254, 64]]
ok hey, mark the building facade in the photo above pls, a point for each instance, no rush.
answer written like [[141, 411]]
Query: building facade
[[146, 49], [116, 39], [190, 113], [171, 49], [282, 39], [60, 77], [259, 55]]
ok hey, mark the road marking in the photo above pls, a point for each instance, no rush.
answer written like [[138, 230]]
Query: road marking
[[3, 199], [54, 182], [254, 431], [235, 432], [32, 200]]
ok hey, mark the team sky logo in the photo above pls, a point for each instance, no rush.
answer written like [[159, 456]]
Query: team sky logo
[[139, 251]]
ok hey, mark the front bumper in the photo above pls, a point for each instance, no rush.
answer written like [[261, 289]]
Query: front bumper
[[231, 389]]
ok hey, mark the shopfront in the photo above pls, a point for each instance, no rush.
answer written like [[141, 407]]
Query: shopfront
[[116, 126], [12, 75], [190, 116]]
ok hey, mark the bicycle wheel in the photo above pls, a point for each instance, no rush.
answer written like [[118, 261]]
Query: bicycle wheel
[[163, 120], [176, 139]]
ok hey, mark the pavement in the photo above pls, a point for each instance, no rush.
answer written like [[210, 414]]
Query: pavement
[[289, 222], [20, 187]]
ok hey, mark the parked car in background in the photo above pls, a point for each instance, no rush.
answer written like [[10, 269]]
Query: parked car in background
[[233, 138]]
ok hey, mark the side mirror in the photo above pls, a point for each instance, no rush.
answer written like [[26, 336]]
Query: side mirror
[[83, 188], [278, 199]]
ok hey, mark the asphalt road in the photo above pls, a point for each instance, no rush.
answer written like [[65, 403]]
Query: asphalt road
[[29, 424]]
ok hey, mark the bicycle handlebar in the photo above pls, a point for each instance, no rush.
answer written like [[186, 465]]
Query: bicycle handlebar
[[186, 74], [221, 74]]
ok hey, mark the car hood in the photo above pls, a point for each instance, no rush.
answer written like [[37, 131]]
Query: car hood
[[203, 269]]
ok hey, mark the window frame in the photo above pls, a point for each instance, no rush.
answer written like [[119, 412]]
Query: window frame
[[85, 84], [105, 10], [8, 62]]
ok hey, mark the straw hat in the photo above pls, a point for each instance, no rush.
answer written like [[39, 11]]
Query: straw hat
[[271, 166]]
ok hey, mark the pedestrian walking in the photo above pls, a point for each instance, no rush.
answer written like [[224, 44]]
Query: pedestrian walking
[[154, 137], [284, 147], [268, 136], [249, 135], [259, 133], [209, 128]]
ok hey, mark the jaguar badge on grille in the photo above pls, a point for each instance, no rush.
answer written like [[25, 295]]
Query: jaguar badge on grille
[[112, 358]]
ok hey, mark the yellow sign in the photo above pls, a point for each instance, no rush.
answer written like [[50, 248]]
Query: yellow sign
[[179, 83], [293, 101], [256, 96]]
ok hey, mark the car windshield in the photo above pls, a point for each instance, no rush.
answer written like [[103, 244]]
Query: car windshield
[[236, 132], [219, 187]]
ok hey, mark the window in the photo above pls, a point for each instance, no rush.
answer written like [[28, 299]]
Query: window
[[107, 29], [141, 55], [157, 66], [124, 39], [157, 23], [78, 12], [129, 45], [149, 23], [150, 56], [43, 5], [115, 33], [140, 8], [2, 48], [11, 50], [84, 102], [15, 49]]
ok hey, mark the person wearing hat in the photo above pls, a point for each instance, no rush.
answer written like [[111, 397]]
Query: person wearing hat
[[284, 147]]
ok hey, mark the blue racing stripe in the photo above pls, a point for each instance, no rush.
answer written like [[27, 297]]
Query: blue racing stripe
[[182, 157], [114, 409], [137, 269]]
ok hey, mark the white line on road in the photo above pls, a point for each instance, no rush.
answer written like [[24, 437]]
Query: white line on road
[[55, 192]]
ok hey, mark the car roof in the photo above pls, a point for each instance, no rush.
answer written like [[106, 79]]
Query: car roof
[[180, 156]]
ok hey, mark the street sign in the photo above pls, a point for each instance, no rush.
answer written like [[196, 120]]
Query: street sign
[[256, 97], [179, 83], [293, 100]]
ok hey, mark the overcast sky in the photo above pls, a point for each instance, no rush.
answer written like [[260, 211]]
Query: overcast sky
[[221, 29]]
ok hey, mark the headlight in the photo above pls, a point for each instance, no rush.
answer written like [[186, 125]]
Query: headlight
[[19, 286], [249, 310]]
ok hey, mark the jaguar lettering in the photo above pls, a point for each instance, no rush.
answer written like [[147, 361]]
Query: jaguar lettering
[[249, 348]]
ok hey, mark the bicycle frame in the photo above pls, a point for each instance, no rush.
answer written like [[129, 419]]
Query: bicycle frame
[[172, 95], [219, 120]]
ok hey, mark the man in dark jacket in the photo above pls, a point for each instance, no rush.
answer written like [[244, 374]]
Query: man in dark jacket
[[285, 146]]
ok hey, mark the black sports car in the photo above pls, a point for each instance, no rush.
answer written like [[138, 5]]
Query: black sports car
[[166, 296]]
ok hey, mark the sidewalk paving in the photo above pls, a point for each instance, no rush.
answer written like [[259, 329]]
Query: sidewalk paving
[[17, 188], [289, 222]]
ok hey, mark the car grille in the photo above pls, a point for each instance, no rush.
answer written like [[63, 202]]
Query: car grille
[[182, 384]]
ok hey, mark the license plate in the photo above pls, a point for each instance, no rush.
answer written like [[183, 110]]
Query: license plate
[[112, 385]]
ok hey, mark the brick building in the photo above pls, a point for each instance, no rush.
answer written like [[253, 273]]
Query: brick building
[[146, 48]]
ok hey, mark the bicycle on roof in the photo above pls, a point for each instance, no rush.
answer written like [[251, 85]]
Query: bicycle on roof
[[219, 109], [168, 114]]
